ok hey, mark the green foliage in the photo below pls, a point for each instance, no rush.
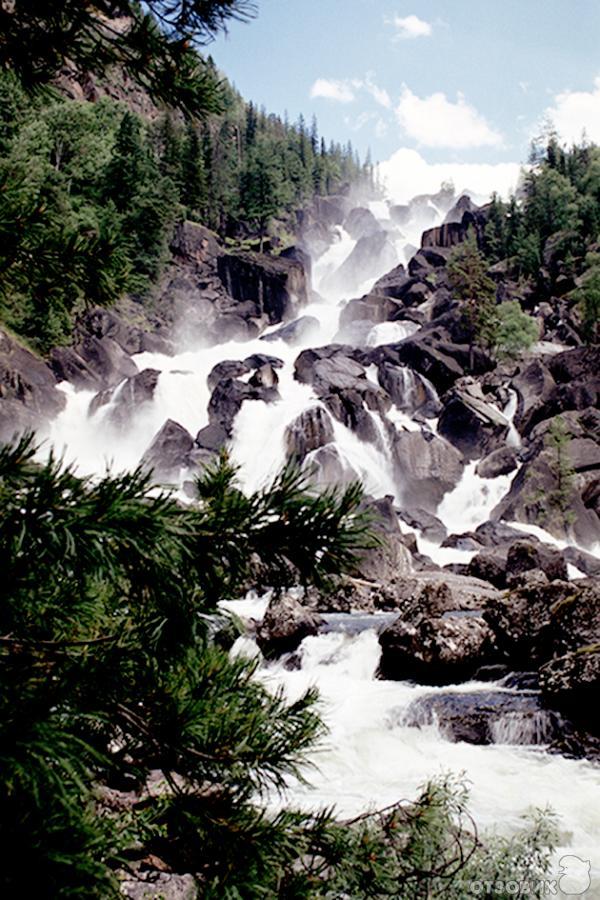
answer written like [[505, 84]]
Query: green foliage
[[588, 297], [559, 498], [154, 43], [110, 680], [515, 331], [89, 194], [471, 285]]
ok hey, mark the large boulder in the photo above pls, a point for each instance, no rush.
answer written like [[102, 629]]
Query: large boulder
[[571, 683], [389, 559], [427, 468], [503, 566], [106, 359], [440, 650], [28, 394], [431, 359], [372, 307], [228, 368], [534, 386], [471, 425], [275, 287], [485, 717], [285, 625], [502, 461], [169, 453], [195, 243], [361, 222], [312, 429]]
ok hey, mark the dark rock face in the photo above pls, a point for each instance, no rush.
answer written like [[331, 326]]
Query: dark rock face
[[572, 683], [342, 384], [361, 222], [486, 717], [28, 394], [285, 625], [521, 620], [502, 461], [297, 332], [528, 501], [503, 566], [169, 452], [373, 308], [127, 398], [297, 254], [471, 425], [427, 466], [394, 284], [102, 323], [443, 650], [274, 287], [534, 387], [426, 261], [431, 360], [312, 429]]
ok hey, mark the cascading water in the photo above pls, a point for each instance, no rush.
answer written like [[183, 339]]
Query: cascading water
[[370, 757]]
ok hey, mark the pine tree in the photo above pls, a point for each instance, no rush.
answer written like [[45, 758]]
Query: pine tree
[[471, 285]]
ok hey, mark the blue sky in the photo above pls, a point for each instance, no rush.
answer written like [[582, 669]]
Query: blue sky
[[459, 82]]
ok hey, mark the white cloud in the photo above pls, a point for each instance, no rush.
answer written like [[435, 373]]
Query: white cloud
[[435, 121], [576, 112], [329, 89], [410, 27], [380, 95], [406, 174]]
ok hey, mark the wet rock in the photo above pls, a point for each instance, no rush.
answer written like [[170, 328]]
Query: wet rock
[[100, 323], [68, 365], [388, 559], [262, 359], [486, 717], [502, 461], [285, 625], [265, 377], [312, 429], [473, 426], [169, 452], [212, 437], [408, 390], [489, 565], [229, 368], [326, 467], [296, 332], [300, 256], [435, 650], [427, 466], [227, 399]]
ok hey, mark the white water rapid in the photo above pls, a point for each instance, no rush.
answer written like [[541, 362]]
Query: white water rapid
[[370, 757]]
